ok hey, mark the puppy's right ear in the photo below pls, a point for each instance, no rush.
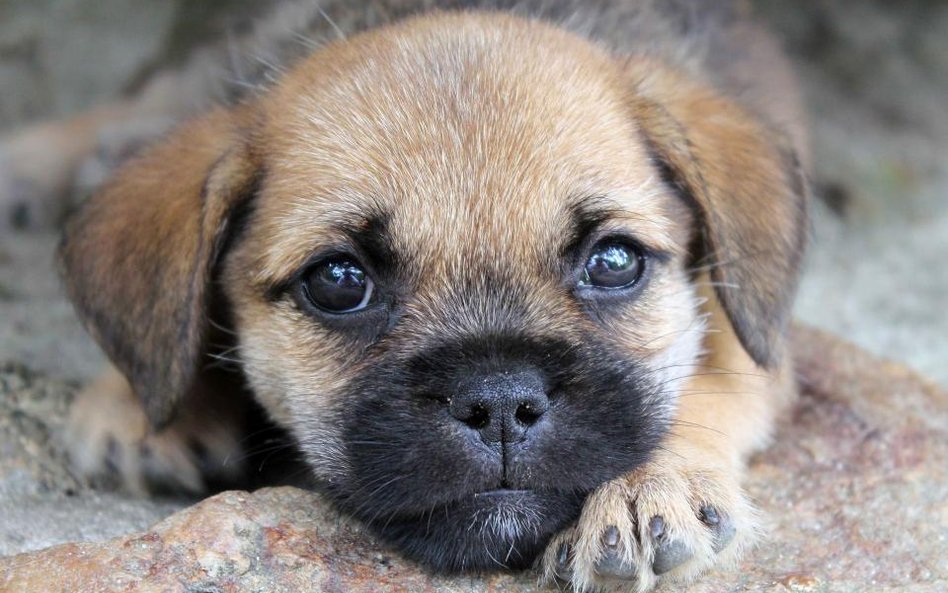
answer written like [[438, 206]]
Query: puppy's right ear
[[138, 258], [746, 188]]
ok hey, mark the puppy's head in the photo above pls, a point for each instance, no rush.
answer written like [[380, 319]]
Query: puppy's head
[[458, 256]]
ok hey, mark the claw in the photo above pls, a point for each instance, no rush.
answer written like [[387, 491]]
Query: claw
[[563, 571], [657, 527], [610, 537]]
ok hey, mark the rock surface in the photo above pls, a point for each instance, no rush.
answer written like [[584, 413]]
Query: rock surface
[[855, 492]]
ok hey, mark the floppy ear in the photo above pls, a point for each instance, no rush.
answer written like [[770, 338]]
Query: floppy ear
[[747, 189], [138, 257]]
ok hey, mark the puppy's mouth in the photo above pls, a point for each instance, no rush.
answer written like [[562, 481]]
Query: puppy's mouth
[[499, 529]]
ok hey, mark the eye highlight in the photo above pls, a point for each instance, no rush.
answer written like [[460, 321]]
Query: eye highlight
[[612, 265], [338, 285]]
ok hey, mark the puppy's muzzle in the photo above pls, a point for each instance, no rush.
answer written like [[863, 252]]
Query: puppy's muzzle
[[474, 451], [501, 407]]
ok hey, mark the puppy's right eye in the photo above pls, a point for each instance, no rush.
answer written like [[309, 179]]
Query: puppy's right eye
[[337, 285]]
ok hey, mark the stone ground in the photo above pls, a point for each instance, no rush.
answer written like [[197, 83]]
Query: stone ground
[[875, 73]]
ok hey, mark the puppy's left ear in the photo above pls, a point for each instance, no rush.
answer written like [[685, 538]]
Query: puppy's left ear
[[747, 190], [138, 258]]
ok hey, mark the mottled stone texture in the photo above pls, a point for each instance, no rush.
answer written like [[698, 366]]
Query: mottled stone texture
[[854, 491], [31, 408]]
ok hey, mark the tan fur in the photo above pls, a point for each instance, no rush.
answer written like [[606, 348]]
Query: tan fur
[[473, 131]]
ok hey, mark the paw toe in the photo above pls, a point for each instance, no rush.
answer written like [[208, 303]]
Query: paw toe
[[167, 469], [107, 472], [611, 562], [670, 555], [721, 526]]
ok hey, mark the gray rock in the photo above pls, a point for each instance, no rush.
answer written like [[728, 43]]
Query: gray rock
[[37, 322], [875, 74]]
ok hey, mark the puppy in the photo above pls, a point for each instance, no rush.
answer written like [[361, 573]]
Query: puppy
[[517, 293]]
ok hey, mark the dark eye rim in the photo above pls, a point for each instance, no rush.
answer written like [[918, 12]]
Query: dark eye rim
[[367, 299], [304, 300], [646, 258]]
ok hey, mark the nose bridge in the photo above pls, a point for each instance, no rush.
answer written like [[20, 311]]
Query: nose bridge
[[469, 299], [505, 389], [509, 385]]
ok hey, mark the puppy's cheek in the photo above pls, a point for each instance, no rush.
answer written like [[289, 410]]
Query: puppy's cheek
[[672, 366], [676, 350], [271, 397], [299, 403], [323, 445]]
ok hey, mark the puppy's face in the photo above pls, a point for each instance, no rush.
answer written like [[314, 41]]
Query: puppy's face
[[456, 253], [462, 284]]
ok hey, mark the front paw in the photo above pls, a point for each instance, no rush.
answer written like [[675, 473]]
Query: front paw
[[35, 175], [667, 521], [109, 444]]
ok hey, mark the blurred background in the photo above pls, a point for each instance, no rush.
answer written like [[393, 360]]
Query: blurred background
[[875, 76]]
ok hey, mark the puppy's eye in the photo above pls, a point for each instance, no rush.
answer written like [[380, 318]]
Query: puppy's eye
[[612, 265], [337, 285]]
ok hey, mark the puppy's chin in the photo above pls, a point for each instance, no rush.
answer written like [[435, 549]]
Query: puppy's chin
[[487, 530]]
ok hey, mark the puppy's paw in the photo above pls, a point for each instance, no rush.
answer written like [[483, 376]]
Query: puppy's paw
[[667, 521], [110, 444], [35, 175]]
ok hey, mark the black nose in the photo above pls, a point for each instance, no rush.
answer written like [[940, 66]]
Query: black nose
[[501, 406]]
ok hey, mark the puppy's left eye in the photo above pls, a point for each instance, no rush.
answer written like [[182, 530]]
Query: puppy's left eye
[[337, 285], [612, 265]]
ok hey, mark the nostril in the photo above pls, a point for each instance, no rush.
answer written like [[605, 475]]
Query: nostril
[[528, 413], [479, 417], [476, 414]]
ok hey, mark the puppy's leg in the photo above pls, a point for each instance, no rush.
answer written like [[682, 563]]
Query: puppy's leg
[[109, 442], [684, 510], [38, 164], [42, 165]]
